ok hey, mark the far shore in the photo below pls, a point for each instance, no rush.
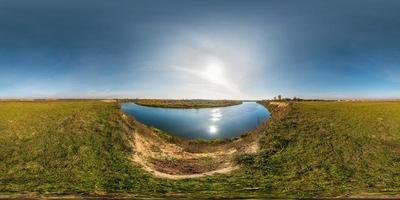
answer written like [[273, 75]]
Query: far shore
[[169, 103]]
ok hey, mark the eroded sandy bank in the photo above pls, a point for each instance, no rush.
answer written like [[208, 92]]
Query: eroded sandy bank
[[174, 158]]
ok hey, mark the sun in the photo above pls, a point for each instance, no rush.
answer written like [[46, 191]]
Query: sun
[[213, 72]]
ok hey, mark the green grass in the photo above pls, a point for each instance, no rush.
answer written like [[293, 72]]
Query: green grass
[[315, 149], [333, 147], [169, 103], [65, 147]]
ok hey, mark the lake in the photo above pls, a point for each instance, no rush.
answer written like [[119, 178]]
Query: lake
[[206, 123]]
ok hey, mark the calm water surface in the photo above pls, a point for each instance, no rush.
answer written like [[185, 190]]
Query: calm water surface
[[222, 122]]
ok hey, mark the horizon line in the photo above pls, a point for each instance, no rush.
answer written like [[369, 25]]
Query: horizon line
[[127, 98]]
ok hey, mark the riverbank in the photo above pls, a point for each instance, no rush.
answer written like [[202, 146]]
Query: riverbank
[[171, 157], [169, 103]]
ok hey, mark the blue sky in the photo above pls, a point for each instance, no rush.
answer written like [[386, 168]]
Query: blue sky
[[199, 49]]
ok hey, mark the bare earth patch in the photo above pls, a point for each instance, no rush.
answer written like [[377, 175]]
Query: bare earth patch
[[279, 104], [169, 157], [184, 159]]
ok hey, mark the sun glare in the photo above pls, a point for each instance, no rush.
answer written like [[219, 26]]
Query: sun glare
[[215, 115], [213, 72], [213, 129]]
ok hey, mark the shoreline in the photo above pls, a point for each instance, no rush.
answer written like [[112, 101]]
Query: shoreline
[[185, 104], [171, 157]]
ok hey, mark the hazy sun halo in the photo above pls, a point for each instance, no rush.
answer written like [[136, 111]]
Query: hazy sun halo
[[213, 72]]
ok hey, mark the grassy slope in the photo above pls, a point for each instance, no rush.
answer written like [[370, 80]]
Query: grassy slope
[[64, 147], [323, 149], [332, 148]]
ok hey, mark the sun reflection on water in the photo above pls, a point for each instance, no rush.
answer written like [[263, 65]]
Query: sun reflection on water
[[215, 116], [213, 129]]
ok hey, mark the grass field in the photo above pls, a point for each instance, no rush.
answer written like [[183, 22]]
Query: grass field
[[169, 103], [64, 147], [322, 149]]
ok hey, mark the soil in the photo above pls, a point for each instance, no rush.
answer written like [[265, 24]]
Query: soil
[[176, 158]]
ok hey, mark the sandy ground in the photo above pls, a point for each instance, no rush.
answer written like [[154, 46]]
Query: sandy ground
[[279, 104], [173, 160]]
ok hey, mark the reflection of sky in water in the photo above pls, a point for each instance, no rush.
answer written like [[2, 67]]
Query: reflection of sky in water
[[223, 122]]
